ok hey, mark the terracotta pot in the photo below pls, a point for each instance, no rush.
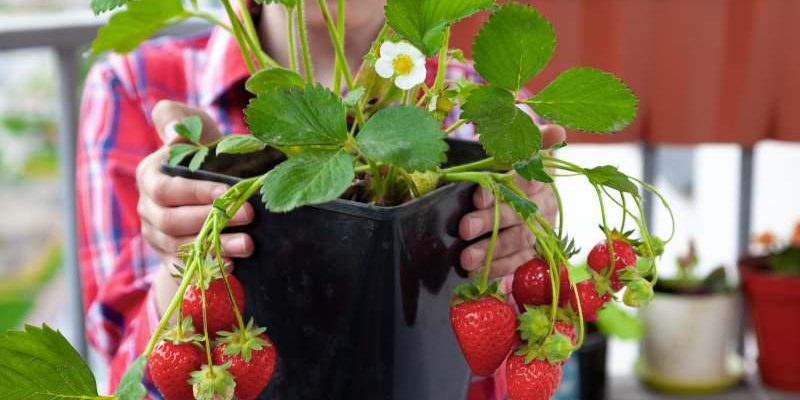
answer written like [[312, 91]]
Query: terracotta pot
[[774, 305]]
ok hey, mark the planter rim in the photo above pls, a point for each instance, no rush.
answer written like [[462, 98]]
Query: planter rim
[[749, 265], [355, 208]]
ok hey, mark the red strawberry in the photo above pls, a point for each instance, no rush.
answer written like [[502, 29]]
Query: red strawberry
[[171, 365], [252, 356], [566, 329], [600, 259], [531, 285], [219, 312], [591, 300], [537, 380], [486, 330]]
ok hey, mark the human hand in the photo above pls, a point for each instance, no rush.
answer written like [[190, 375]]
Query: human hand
[[514, 243]]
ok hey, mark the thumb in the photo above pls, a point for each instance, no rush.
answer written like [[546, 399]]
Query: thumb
[[168, 114], [551, 135]]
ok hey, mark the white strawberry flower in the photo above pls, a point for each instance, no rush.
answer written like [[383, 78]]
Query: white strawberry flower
[[403, 62]]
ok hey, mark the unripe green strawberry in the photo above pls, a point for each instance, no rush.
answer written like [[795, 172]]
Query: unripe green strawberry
[[639, 293], [557, 347], [425, 182]]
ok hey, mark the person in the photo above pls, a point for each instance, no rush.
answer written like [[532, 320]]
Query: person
[[132, 217]]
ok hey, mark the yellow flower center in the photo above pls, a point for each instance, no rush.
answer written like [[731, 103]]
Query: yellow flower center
[[402, 64]]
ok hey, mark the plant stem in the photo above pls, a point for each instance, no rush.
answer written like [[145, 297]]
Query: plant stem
[[664, 202], [210, 18], [611, 256], [455, 125], [290, 35], [560, 205], [438, 84], [487, 265], [338, 46], [486, 163], [207, 342], [301, 26], [239, 35], [252, 34], [337, 67]]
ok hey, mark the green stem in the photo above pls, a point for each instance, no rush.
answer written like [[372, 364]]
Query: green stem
[[239, 35], [210, 18], [450, 129], [252, 34], [611, 256], [664, 202], [207, 342], [647, 240], [412, 187], [301, 27], [486, 163], [338, 46], [290, 35], [487, 265], [218, 246], [560, 205], [337, 66], [442, 66], [624, 214]]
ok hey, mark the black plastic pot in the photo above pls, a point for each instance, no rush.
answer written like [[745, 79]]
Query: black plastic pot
[[354, 296], [592, 365]]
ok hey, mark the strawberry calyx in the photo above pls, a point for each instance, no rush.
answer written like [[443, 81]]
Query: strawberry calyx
[[213, 382], [186, 333], [474, 291], [538, 342], [643, 250], [534, 323], [602, 283], [243, 341], [211, 272]]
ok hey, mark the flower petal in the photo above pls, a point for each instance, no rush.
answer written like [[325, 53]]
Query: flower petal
[[389, 50], [384, 67], [408, 48], [406, 82], [419, 73]]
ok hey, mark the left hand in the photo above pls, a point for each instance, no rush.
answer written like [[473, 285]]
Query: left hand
[[514, 243]]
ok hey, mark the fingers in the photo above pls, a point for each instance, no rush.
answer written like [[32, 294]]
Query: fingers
[[507, 265], [552, 134], [480, 222], [509, 242], [482, 198], [185, 220], [170, 191], [234, 245], [166, 114]]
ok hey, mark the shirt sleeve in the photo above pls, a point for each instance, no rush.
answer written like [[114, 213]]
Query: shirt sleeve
[[116, 264]]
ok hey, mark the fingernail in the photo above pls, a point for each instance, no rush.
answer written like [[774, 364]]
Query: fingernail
[[219, 191], [475, 225], [169, 132]]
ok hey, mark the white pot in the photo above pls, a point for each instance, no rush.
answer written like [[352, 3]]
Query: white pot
[[690, 342]]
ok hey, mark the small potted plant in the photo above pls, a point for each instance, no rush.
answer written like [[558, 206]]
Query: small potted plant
[[690, 332], [358, 191], [771, 279]]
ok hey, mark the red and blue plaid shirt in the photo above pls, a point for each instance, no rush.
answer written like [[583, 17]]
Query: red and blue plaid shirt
[[116, 133]]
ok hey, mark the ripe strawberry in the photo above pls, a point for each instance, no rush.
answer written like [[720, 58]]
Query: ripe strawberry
[[172, 362], [591, 300], [600, 259], [485, 329], [531, 285], [567, 330], [537, 380], [219, 313], [252, 359]]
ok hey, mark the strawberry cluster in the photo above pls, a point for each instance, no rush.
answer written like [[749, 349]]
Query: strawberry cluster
[[211, 353], [549, 327]]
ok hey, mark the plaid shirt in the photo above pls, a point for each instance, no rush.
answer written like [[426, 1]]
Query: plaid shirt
[[116, 133]]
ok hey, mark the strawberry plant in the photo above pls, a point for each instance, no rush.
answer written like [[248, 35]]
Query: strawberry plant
[[378, 137]]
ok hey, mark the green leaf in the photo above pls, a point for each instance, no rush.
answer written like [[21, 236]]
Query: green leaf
[[198, 158], [240, 144], [311, 177], [513, 46], [506, 132], [141, 20], [578, 273], [613, 321], [312, 115], [272, 78], [131, 387], [609, 176], [191, 128], [523, 206], [101, 6], [354, 96], [404, 136], [533, 169], [179, 152], [423, 22], [40, 364], [586, 99]]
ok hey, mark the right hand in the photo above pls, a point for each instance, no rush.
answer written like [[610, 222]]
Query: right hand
[[172, 210]]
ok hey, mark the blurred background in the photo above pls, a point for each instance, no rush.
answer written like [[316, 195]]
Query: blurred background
[[720, 112]]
